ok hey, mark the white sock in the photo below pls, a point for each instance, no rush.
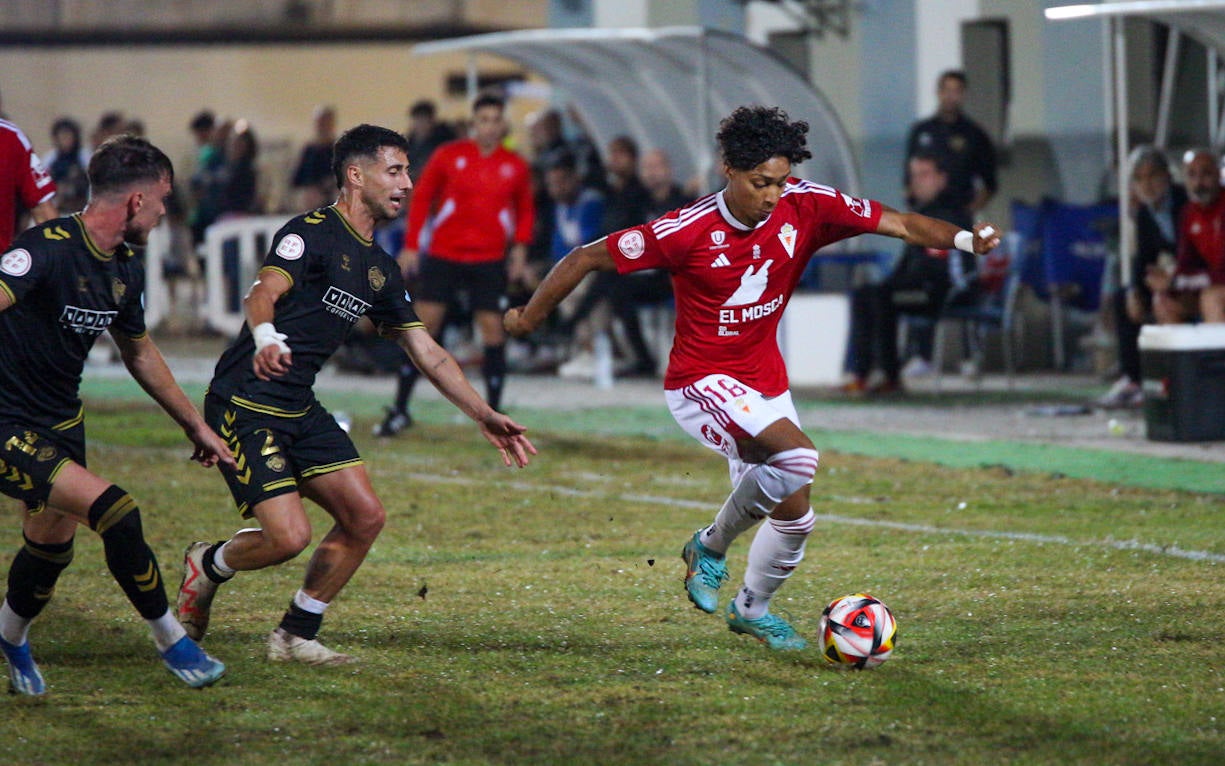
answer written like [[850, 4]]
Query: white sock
[[308, 604], [13, 627], [219, 564], [166, 631], [777, 549]]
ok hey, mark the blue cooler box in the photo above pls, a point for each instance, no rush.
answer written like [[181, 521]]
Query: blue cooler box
[[1183, 368]]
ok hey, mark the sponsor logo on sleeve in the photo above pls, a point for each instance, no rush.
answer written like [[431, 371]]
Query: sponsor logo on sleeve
[[859, 207], [16, 263], [291, 247], [632, 245]]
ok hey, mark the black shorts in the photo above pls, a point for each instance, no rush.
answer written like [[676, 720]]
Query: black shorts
[[475, 286], [31, 459], [276, 452]]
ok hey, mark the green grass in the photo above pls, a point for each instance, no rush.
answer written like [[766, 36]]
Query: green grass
[[537, 616]]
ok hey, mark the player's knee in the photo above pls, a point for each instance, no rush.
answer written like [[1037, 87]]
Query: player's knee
[[116, 517], [366, 522], [789, 471], [283, 544]]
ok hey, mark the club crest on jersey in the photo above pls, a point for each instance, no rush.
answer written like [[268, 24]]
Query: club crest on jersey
[[631, 244], [757, 252], [344, 262], [291, 247], [377, 278], [16, 263], [118, 289], [719, 237], [786, 235]]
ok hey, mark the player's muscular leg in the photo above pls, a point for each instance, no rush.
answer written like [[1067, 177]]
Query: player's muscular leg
[[431, 315], [350, 499], [782, 438], [72, 495], [284, 532], [490, 325]]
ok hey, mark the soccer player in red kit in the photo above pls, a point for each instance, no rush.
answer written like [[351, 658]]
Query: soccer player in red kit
[[735, 258], [24, 184], [469, 225]]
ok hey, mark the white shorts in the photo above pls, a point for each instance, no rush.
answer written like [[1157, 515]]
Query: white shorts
[[718, 410]]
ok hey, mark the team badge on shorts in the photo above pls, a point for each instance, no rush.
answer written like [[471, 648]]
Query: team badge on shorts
[[45, 454], [377, 278], [276, 463]]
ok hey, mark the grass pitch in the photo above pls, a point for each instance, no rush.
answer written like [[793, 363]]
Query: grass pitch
[[537, 616]]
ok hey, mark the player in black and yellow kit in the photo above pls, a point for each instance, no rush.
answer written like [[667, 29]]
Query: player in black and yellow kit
[[322, 273], [62, 284]]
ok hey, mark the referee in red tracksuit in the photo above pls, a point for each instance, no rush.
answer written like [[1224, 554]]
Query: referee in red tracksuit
[[469, 225]]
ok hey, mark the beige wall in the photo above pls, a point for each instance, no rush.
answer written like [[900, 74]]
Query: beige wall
[[275, 87]]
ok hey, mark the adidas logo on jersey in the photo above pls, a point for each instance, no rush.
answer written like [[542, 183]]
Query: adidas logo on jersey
[[722, 260]]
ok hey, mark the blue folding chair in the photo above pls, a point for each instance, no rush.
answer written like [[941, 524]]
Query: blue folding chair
[[1076, 245], [996, 309]]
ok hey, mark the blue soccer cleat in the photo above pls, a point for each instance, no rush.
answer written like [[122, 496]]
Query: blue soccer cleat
[[771, 630], [191, 664], [24, 677], [705, 572]]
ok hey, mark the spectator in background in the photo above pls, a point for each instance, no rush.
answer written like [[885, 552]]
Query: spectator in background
[[425, 135], [920, 283], [1157, 205], [962, 146], [313, 183], [66, 162], [109, 124], [24, 184], [204, 180], [1195, 287], [239, 178], [475, 199], [663, 192]]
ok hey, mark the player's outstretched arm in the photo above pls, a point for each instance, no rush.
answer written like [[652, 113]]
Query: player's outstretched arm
[[437, 364], [921, 230], [144, 360], [556, 285]]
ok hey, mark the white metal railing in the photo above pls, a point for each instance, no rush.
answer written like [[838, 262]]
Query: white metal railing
[[222, 295]]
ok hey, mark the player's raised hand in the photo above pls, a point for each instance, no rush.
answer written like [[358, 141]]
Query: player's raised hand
[[508, 437], [209, 448], [515, 324]]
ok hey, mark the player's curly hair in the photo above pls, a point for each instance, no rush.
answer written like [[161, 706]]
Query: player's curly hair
[[753, 134]]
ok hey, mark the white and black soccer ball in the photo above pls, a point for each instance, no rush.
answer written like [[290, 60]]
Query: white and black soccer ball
[[857, 631]]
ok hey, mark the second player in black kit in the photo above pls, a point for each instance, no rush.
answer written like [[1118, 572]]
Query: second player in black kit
[[322, 273]]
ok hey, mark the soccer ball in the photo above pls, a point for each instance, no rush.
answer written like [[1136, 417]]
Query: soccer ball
[[857, 632]]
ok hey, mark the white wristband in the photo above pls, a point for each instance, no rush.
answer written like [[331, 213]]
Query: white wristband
[[265, 334], [964, 240]]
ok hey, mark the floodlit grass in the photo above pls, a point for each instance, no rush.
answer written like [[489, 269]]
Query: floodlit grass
[[537, 616]]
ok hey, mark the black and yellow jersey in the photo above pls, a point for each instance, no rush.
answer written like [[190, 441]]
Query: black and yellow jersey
[[65, 292], [336, 277]]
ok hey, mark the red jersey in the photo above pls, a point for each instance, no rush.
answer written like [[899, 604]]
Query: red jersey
[[731, 282], [1201, 244], [470, 205], [23, 182]]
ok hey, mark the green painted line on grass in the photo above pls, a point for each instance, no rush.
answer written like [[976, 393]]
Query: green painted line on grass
[[654, 422]]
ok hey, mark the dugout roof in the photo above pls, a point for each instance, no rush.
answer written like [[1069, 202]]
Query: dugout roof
[[668, 88]]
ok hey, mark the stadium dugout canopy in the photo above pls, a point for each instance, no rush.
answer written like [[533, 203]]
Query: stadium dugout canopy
[[1201, 20], [668, 88]]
